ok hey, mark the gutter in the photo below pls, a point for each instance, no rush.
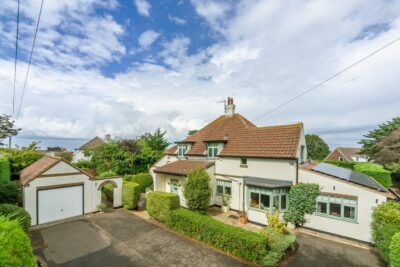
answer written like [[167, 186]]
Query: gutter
[[297, 170]]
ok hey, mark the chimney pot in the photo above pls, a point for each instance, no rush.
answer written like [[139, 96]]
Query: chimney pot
[[229, 107]]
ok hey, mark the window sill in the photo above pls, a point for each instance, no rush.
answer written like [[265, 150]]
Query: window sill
[[336, 218], [264, 211], [243, 166]]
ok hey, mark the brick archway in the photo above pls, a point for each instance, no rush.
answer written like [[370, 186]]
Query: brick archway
[[114, 184]]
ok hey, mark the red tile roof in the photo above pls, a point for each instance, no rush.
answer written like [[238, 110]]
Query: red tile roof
[[37, 168], [243, 138], [92, 144], [184, 167]]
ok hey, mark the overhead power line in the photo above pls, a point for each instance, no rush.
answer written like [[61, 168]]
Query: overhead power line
[[30, 59], [327, 80], [15, 62]]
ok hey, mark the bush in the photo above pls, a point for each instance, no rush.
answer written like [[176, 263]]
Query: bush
[[275, 223], [143, 179], [15, 245], [394, 254], [279, 244], [107, 174], [376, 171], [130, 195], [248, 245], [197, 191], [343, 164], [302, 201], [107, 194], [160, 204], [385, 223], [84, 164], [4, 170], [9, 193], [21, 158], [19, 214]]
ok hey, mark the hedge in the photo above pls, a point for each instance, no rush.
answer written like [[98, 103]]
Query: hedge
[[9, 193], [130, 194], [19, 214], [5, 173], [374, 170], [394, 254], [279, 244], [160, 204], [16, 249], [143, 179], [248, 245], [385, 223]]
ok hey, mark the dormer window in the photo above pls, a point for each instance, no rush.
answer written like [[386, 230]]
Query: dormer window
[[212, 150], [181, 150]]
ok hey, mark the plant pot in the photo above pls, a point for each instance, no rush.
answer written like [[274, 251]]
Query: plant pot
[[243, 218], [225, 209]]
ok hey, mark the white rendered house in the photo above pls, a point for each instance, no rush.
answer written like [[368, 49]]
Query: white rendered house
[[257, 166]]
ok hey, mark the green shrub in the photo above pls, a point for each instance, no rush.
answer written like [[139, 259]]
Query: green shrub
[[19, 214], [160, 204], [9, 193], [385, 223], [84, 164], [376, 171], [343, 164], [21, 158], [279, 244], [4, 170], [143, 179], [274, 222], [394, 254], [130, 195], [302, 201], [15, 245], [107, 174], [107, 193], [248, 245], [197, 191]]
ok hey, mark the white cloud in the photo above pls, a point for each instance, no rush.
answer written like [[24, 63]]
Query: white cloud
[[143, 7], [147, 38], [176, 20], [214, 11]]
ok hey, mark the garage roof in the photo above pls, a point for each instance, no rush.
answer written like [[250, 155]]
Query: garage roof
[[40, 166]]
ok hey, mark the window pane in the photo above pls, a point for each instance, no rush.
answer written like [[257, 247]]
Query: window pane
[[215, 152], [334, 209], [276, 202], [228, 190], [220, 189], [254, 200], [210, 152], [283, 202], [322, 207], [349, 212], [265, 202], [243, 161]]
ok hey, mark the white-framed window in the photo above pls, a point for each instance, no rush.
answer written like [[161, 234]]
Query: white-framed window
[[336, 207], [212, 150], [182, 150], [174, 187], [243, 161], [224, 187], [263, 199]]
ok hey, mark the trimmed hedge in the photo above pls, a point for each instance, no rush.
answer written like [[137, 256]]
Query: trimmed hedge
[[19, 214], [279, 243], [160, 204], [130, 195], [248, 245], [394, 254], [143, 179], [385, 223], [16, 249], [376, 171], [9, 193], [5, 172]]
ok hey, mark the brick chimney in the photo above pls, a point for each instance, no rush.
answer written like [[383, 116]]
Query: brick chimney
[[229, 107]]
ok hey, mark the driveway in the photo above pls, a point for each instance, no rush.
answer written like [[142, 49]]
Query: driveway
[[316, 252], [121, 239]]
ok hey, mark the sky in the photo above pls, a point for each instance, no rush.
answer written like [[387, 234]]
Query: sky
[[129, 67]]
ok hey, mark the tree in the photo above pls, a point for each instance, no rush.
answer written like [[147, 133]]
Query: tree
[[7, 127], [156, 141], [197, 191], [372, 138], [388, 151], [191, 132], [302, 201], [317, 148]]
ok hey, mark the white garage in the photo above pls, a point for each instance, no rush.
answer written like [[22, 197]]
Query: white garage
[[54, 189]]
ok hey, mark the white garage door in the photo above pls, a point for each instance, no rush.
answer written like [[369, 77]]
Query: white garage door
[[59, 203]]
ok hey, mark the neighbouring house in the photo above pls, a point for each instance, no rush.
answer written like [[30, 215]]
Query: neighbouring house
[[258, 165], [79, 153], [54, 189], [349, 154]]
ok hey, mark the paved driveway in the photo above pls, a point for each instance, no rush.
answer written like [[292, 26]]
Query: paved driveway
[[121, 239], [317, 252]]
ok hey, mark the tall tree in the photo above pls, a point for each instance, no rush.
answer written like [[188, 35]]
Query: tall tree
[[7, 128], [388, 151], [156, 141], [317, 148], [372, 138]]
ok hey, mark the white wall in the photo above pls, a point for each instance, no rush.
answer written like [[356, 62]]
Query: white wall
[[367, 200], [79, 155]]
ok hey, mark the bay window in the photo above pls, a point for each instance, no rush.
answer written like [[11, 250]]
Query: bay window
[[267, 199]]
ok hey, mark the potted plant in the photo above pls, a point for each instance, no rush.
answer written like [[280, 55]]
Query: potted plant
[[242, 217], [226, 200]]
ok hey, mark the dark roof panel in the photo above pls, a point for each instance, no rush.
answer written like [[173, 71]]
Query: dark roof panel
[[266, 182]]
